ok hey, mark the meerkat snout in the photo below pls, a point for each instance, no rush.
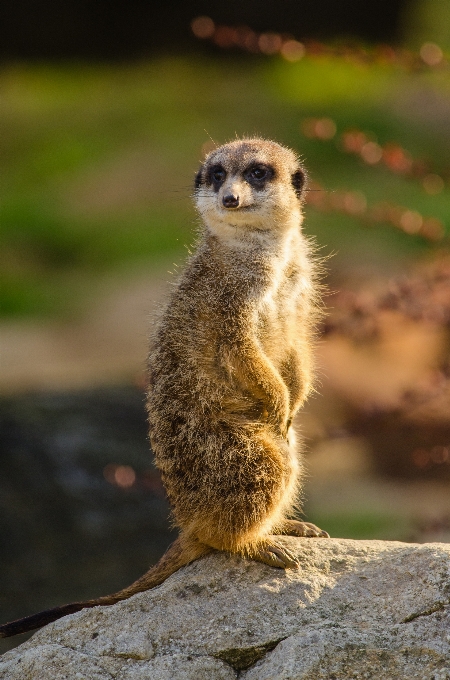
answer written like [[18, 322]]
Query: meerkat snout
[[233, 192], [230, 201]]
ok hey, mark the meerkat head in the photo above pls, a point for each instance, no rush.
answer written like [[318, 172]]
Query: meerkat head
[[248, 186]]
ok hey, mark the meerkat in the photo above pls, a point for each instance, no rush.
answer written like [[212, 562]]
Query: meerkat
[[230, 365]]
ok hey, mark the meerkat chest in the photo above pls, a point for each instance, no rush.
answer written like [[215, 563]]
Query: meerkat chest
[[280, 305]]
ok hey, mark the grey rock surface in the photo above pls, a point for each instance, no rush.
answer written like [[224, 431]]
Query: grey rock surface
[[354, 609]]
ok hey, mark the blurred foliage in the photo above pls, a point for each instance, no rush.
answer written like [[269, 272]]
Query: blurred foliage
[[365, 525], [428, 20], [97, 161]]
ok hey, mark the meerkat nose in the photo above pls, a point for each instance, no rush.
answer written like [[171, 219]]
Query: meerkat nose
[[230, 201]]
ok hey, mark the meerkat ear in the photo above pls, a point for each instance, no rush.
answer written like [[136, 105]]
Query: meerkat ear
[[198, 178], [298, 181]]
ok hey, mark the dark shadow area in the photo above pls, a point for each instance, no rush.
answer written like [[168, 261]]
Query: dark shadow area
[[83, 511], [119, 29]]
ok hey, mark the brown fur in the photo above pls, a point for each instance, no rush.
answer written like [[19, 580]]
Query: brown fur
[[229, 367]]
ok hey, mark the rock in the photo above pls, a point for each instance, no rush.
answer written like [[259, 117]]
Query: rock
[[354, 609]]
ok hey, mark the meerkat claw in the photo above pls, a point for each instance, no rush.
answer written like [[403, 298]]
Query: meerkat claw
[[313, 531], [276, 556], [294, 527]]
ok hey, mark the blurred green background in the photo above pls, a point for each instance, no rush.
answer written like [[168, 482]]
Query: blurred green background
[[97, 161]]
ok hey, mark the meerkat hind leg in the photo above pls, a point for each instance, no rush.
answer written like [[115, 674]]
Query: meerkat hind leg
[[293, 527]]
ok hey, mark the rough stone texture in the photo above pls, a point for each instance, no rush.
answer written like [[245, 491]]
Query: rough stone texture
[[354, 609]]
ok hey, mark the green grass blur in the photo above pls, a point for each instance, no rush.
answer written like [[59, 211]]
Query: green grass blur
[[97, 161], [360, 524]]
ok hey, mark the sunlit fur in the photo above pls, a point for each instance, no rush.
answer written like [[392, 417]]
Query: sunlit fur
[[231, 359], [229, 367]]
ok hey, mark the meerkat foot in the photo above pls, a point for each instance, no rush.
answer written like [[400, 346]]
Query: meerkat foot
[[275, 555], [293, 527]]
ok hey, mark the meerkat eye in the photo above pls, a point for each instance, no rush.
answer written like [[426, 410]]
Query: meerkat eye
[[216, 175], [258, 175]]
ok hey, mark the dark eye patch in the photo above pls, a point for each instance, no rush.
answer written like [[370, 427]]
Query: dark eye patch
[[298, 181], [216, 176], [198, 178], [258, 174]]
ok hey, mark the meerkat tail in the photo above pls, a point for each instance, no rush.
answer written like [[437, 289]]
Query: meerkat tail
[[180, 553]]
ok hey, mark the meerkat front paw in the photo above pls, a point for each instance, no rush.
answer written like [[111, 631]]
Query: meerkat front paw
[[286, 429], [281, 425], [293, 527], [275, 555]]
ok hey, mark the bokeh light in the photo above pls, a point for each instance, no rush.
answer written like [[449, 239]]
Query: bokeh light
[[431, 54], [371, 153], [270, 43], [292, 50], [203, 27], [122, 476], [433, 184]]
